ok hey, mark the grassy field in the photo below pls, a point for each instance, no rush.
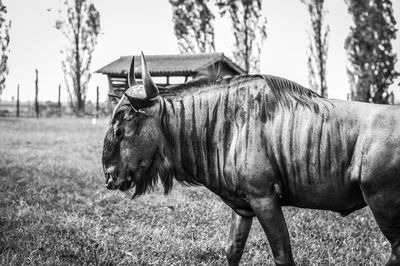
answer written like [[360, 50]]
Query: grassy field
[[55, 210]]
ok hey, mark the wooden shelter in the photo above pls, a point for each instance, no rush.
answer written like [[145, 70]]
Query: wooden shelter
[[168, 69]]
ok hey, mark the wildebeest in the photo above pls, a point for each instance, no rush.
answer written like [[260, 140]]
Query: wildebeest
[[259, 142]]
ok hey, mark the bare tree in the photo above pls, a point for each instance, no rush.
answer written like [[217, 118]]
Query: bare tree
[[369, 50], [80, 24], [318, 46], [249, 30], [5, 26], [193, 25]]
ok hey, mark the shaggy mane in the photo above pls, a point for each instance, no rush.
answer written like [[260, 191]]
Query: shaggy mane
[[283, 91]]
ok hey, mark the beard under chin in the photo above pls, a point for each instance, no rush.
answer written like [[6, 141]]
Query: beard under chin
[[143, 180]]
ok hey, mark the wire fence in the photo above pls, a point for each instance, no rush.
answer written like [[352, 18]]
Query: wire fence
[[15, 108], [50, 109]]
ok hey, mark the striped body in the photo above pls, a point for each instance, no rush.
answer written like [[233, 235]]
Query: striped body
[[240, 138]]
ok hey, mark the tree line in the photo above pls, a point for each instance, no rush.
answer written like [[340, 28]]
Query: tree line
[[5, 25], [79, 23], [194, 28], [368, 46]]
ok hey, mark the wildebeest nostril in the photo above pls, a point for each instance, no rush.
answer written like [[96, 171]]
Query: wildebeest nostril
[[110, 178]]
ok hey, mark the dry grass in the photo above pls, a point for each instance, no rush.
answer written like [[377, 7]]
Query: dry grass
[[54, 209]]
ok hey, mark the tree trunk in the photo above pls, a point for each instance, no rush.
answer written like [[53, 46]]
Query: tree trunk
[[59, 100], [18, 100], [359, 97], [80, 105], [97, 102], [37, 93], [379, 98], [361, 92], [246, 41]]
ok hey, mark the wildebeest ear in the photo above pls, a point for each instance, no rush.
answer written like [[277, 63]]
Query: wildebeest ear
[[138, 104], [114, 99]]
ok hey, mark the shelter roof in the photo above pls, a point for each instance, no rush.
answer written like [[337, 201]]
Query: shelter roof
[[170, 65]]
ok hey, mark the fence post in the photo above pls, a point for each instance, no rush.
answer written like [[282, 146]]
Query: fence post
[[59, 100], [18, 100], [97, 103], [36, 94]]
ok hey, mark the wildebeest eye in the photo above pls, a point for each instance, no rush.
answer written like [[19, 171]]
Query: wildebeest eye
[[118, 134], [128, 117]]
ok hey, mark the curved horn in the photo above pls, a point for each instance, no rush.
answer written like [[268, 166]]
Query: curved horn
[[131, 74], [149, 85]]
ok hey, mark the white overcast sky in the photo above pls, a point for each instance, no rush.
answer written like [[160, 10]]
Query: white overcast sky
[[129, 26]]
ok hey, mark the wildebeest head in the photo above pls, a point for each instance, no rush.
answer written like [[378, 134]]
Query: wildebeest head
[[134, 152]]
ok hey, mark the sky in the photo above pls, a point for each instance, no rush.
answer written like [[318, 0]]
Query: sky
[[131, 26]]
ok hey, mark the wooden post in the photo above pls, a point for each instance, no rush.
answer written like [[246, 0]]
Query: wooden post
[[36, 93], [110, 85], [97, 103], [59, 100], [18, 100]]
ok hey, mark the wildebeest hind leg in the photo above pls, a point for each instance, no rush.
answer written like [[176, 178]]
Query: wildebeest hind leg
[[270, 215], [395, 256], [391, 230], [385, 207], [239, 231]]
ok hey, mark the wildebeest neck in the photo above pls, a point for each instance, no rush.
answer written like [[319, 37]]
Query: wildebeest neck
[[204, 129]]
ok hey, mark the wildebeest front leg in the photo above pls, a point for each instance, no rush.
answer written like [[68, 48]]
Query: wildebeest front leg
[[269, 213], [240, 228]]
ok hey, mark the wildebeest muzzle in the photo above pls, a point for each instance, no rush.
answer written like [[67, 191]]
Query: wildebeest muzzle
[[110, 180], [114, 183]]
